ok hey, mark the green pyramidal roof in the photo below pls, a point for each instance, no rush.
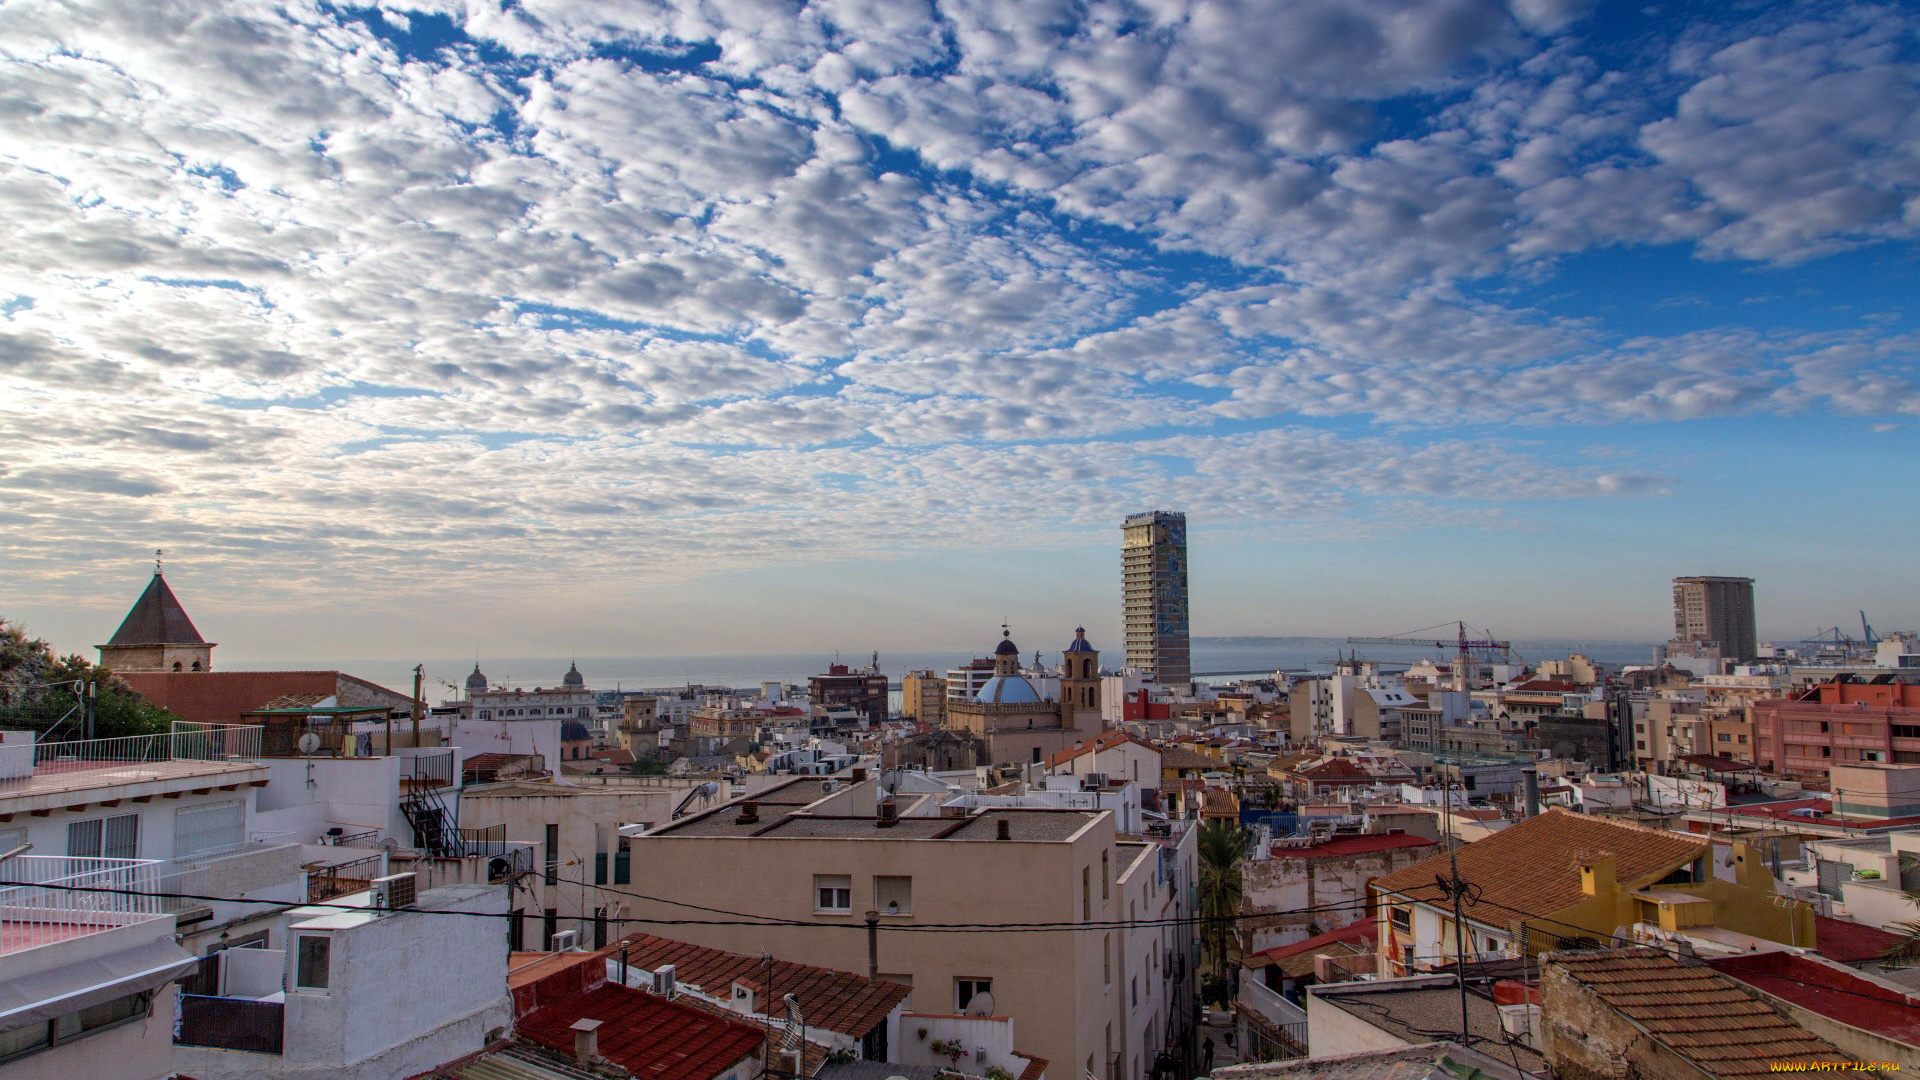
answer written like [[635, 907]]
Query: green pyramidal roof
[[157, 619]]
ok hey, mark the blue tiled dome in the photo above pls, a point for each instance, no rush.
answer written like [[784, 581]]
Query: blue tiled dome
[[1080, 642], [1007, 690]]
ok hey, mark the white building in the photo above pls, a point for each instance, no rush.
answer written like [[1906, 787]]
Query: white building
[[355, 995], [86, 978]]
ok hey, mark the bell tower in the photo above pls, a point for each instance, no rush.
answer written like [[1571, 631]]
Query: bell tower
[[1080, 683], [156, 635]]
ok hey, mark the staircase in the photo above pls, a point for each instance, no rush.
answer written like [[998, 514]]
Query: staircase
[[434, 829]]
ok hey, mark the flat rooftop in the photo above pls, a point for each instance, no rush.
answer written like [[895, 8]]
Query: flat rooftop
[[784, 813], [53, 779], [1417, 1010]]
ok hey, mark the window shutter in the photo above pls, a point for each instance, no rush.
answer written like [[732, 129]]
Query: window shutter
[[200, 829]]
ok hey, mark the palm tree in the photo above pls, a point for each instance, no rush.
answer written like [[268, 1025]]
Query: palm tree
[[1907, 949], [1222, 848]]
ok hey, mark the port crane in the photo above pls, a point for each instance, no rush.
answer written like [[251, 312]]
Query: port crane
[[1464, 647]]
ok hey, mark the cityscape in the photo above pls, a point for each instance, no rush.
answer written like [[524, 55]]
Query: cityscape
[[958, 540]]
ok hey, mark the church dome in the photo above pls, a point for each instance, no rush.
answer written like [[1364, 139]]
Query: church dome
[[574, 731], [1006, 646], [1080, 642], [476, 682], [574, 680], [1007, 690]]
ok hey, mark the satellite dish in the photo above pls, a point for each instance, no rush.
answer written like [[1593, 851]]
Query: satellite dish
[[309, 743], [389, 845], [980, 1004]]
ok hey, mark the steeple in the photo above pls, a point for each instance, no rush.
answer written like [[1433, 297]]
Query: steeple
[[157, 635]]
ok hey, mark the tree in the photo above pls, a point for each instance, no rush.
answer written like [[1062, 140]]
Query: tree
[[1222, 848], [39, 690]]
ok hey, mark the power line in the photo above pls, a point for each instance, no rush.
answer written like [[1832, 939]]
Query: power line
[[944, 928]]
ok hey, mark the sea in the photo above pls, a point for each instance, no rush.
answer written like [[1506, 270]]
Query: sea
[[1243, 656]]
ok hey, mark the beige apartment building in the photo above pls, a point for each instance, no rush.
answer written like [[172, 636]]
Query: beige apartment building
[[923, 696], [1086, 991]]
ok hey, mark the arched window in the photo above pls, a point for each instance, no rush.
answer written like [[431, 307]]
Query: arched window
[[176, 665], [196, 665]]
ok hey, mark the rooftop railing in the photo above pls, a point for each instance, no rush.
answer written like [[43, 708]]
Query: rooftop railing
[[139, 756], [49, 898]]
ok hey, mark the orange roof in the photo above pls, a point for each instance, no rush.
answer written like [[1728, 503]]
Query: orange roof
[[655, 1038], [221, 697], [1108, 741], [834, 1000], [1531, 869]]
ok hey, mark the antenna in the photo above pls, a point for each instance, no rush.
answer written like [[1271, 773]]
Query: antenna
[[157, 553]]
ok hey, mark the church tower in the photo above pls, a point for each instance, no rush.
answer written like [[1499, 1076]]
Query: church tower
[[156, 635], [1080, 684]]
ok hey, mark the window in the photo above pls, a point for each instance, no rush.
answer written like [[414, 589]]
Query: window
[[1133, 986], [1106, 961], [211, 827], [1402, 919], [105, 838], [1086, 892], [965, 989], [1723, 737], [41, 1035], [549, 925], [313, 957], [832, 893], [553, 854], [1106, 877], [893, 895]]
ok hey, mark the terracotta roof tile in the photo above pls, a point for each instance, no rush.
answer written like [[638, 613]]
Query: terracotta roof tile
[[1531, 868], [1106, 741], [834, 1000], [655, 1038], [1700, 1014]]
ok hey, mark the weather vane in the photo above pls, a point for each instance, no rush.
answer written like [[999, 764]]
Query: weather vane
[[156, 561]]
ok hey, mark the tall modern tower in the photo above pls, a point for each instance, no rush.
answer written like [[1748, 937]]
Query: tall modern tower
[[1719, 611], [1153, 573]]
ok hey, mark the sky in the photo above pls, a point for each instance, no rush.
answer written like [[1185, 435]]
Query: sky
[[565, 326]]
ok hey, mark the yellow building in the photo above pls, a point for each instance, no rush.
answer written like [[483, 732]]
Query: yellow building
[[1562, 877], [923, 696]]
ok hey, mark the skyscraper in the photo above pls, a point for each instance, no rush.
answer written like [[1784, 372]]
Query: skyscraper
[[1153, 571], [1716, 610]]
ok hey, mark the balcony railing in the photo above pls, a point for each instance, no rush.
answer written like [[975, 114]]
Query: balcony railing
[[326, 882], [433, 769], [138, 757], [49, 898], [227, 1023]]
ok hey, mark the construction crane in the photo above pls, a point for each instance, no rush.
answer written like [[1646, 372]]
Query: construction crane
[[1866, 629], [1464, 648]]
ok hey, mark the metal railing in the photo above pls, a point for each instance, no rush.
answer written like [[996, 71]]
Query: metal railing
[[188, 741], [230, 1024], [1258, 998], [48, 898], [427, 770], [326, 882], [369, 838]]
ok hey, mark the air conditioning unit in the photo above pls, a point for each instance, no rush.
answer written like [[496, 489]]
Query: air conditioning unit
[[663, 981], [395, 891], [1094, 780], [565, 941]]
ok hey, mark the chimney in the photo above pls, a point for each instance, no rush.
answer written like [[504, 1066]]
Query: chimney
[[586, 1041], [749, 813], [1002, 829], [887, 814], [1531, 778], [859, 773]]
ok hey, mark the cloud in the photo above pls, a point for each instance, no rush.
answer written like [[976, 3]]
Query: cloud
[[446, 283]]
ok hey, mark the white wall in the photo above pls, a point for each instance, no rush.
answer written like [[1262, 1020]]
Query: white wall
[[48, 835]]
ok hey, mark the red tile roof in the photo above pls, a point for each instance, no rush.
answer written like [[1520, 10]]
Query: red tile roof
[[1832, 992], [1846, 942], [829, 999], [1352, 845], [1107, 741], [1332, 769], [220, 697], [1359, 932], [655, 1038]]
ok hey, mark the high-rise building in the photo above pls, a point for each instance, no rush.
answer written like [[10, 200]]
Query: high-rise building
[[1153, 570], [923, 696], [1716, 611]]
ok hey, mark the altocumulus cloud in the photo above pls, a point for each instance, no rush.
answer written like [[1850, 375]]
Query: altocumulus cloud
[[627, 284]]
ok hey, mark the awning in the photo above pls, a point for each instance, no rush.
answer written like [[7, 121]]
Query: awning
[[72, 987]]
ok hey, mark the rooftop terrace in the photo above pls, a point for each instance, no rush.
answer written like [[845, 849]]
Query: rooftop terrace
[[43, 772]]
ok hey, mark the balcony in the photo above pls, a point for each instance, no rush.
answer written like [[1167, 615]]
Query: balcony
[[226, 1023], [45, 771], [1278, 1025], [52, 898]]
